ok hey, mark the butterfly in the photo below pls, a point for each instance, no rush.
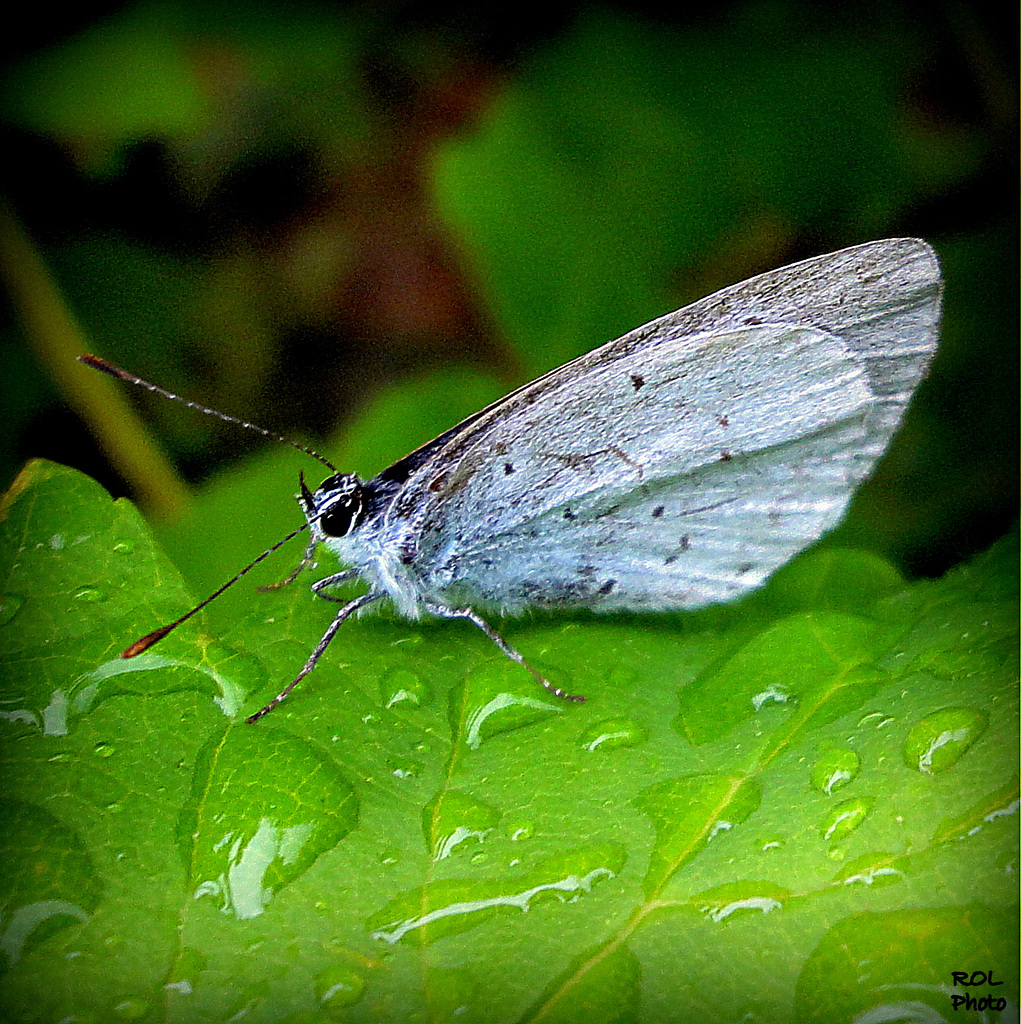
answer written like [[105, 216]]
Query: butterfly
[[674, 467]]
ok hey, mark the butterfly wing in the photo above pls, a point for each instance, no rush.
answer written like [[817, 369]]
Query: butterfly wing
[[687, 460]]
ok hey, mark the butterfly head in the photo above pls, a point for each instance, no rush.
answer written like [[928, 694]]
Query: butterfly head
[[336, 507]]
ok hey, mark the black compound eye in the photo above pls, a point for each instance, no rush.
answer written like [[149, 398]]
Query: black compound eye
[[342, 511]]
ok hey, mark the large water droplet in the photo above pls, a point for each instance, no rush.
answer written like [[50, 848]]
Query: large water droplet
[[765, 844], [612, 733], [494, 700], [453, 906], [872, 869], [834, 770], [270, 805], [402, 687], [519, 830], [453, 818], [941, 739], [337, 988], [845, 818], [131, 1009], [48, 881], [739, 899]]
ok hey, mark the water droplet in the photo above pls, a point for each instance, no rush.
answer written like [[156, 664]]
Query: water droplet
[[10, 605], [186, 970], [57, 542], [520, 830], [612, 733], [941, 739], [739, 899], [404, 687], [768, 843], [453, 906], [124, 547], [876, 719], [103, 749], [875, 870], [248, 841], [131, 1009], [845, 818], [834, 770], [403, 767], [337, 988], [390, 856], [89, 595], [453, 818], [772, 695], [495, 699], [48, 880]]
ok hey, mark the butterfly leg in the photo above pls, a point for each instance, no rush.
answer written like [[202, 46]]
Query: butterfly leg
[[306, 561], [341, 616], [469, 614]]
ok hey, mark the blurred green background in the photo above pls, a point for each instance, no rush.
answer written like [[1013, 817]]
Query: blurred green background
[[353, 224]]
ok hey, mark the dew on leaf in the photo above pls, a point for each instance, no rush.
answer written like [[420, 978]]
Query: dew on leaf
[[48, 881], [450, 992], [773, 695], [453, 906], [131, 1009], [845, 818], [57, 542], [401, 767], [612, 733], [89, 595], [875, 870], [940, 740], [767, 843], [104, 749], [520, 830], [738, 899], [247, 841], [494, 700], [402, 687], [688, 812], [834, 770], [124, 547], [453, 818], [337, 988]]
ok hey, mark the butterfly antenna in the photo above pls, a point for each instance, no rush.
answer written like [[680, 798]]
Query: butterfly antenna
[[98, 363], [145, 642]]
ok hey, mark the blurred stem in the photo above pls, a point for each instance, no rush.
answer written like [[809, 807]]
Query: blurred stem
[[56, 338]]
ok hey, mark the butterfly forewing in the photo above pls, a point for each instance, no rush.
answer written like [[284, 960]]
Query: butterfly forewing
[[685, 461]]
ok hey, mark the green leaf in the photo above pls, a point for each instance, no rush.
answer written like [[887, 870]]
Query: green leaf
[[419, 830]]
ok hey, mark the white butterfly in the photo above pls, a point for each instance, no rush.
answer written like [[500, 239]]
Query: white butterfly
[[679, 465]]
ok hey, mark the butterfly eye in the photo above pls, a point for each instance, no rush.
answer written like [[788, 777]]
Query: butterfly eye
[[343, 510]]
